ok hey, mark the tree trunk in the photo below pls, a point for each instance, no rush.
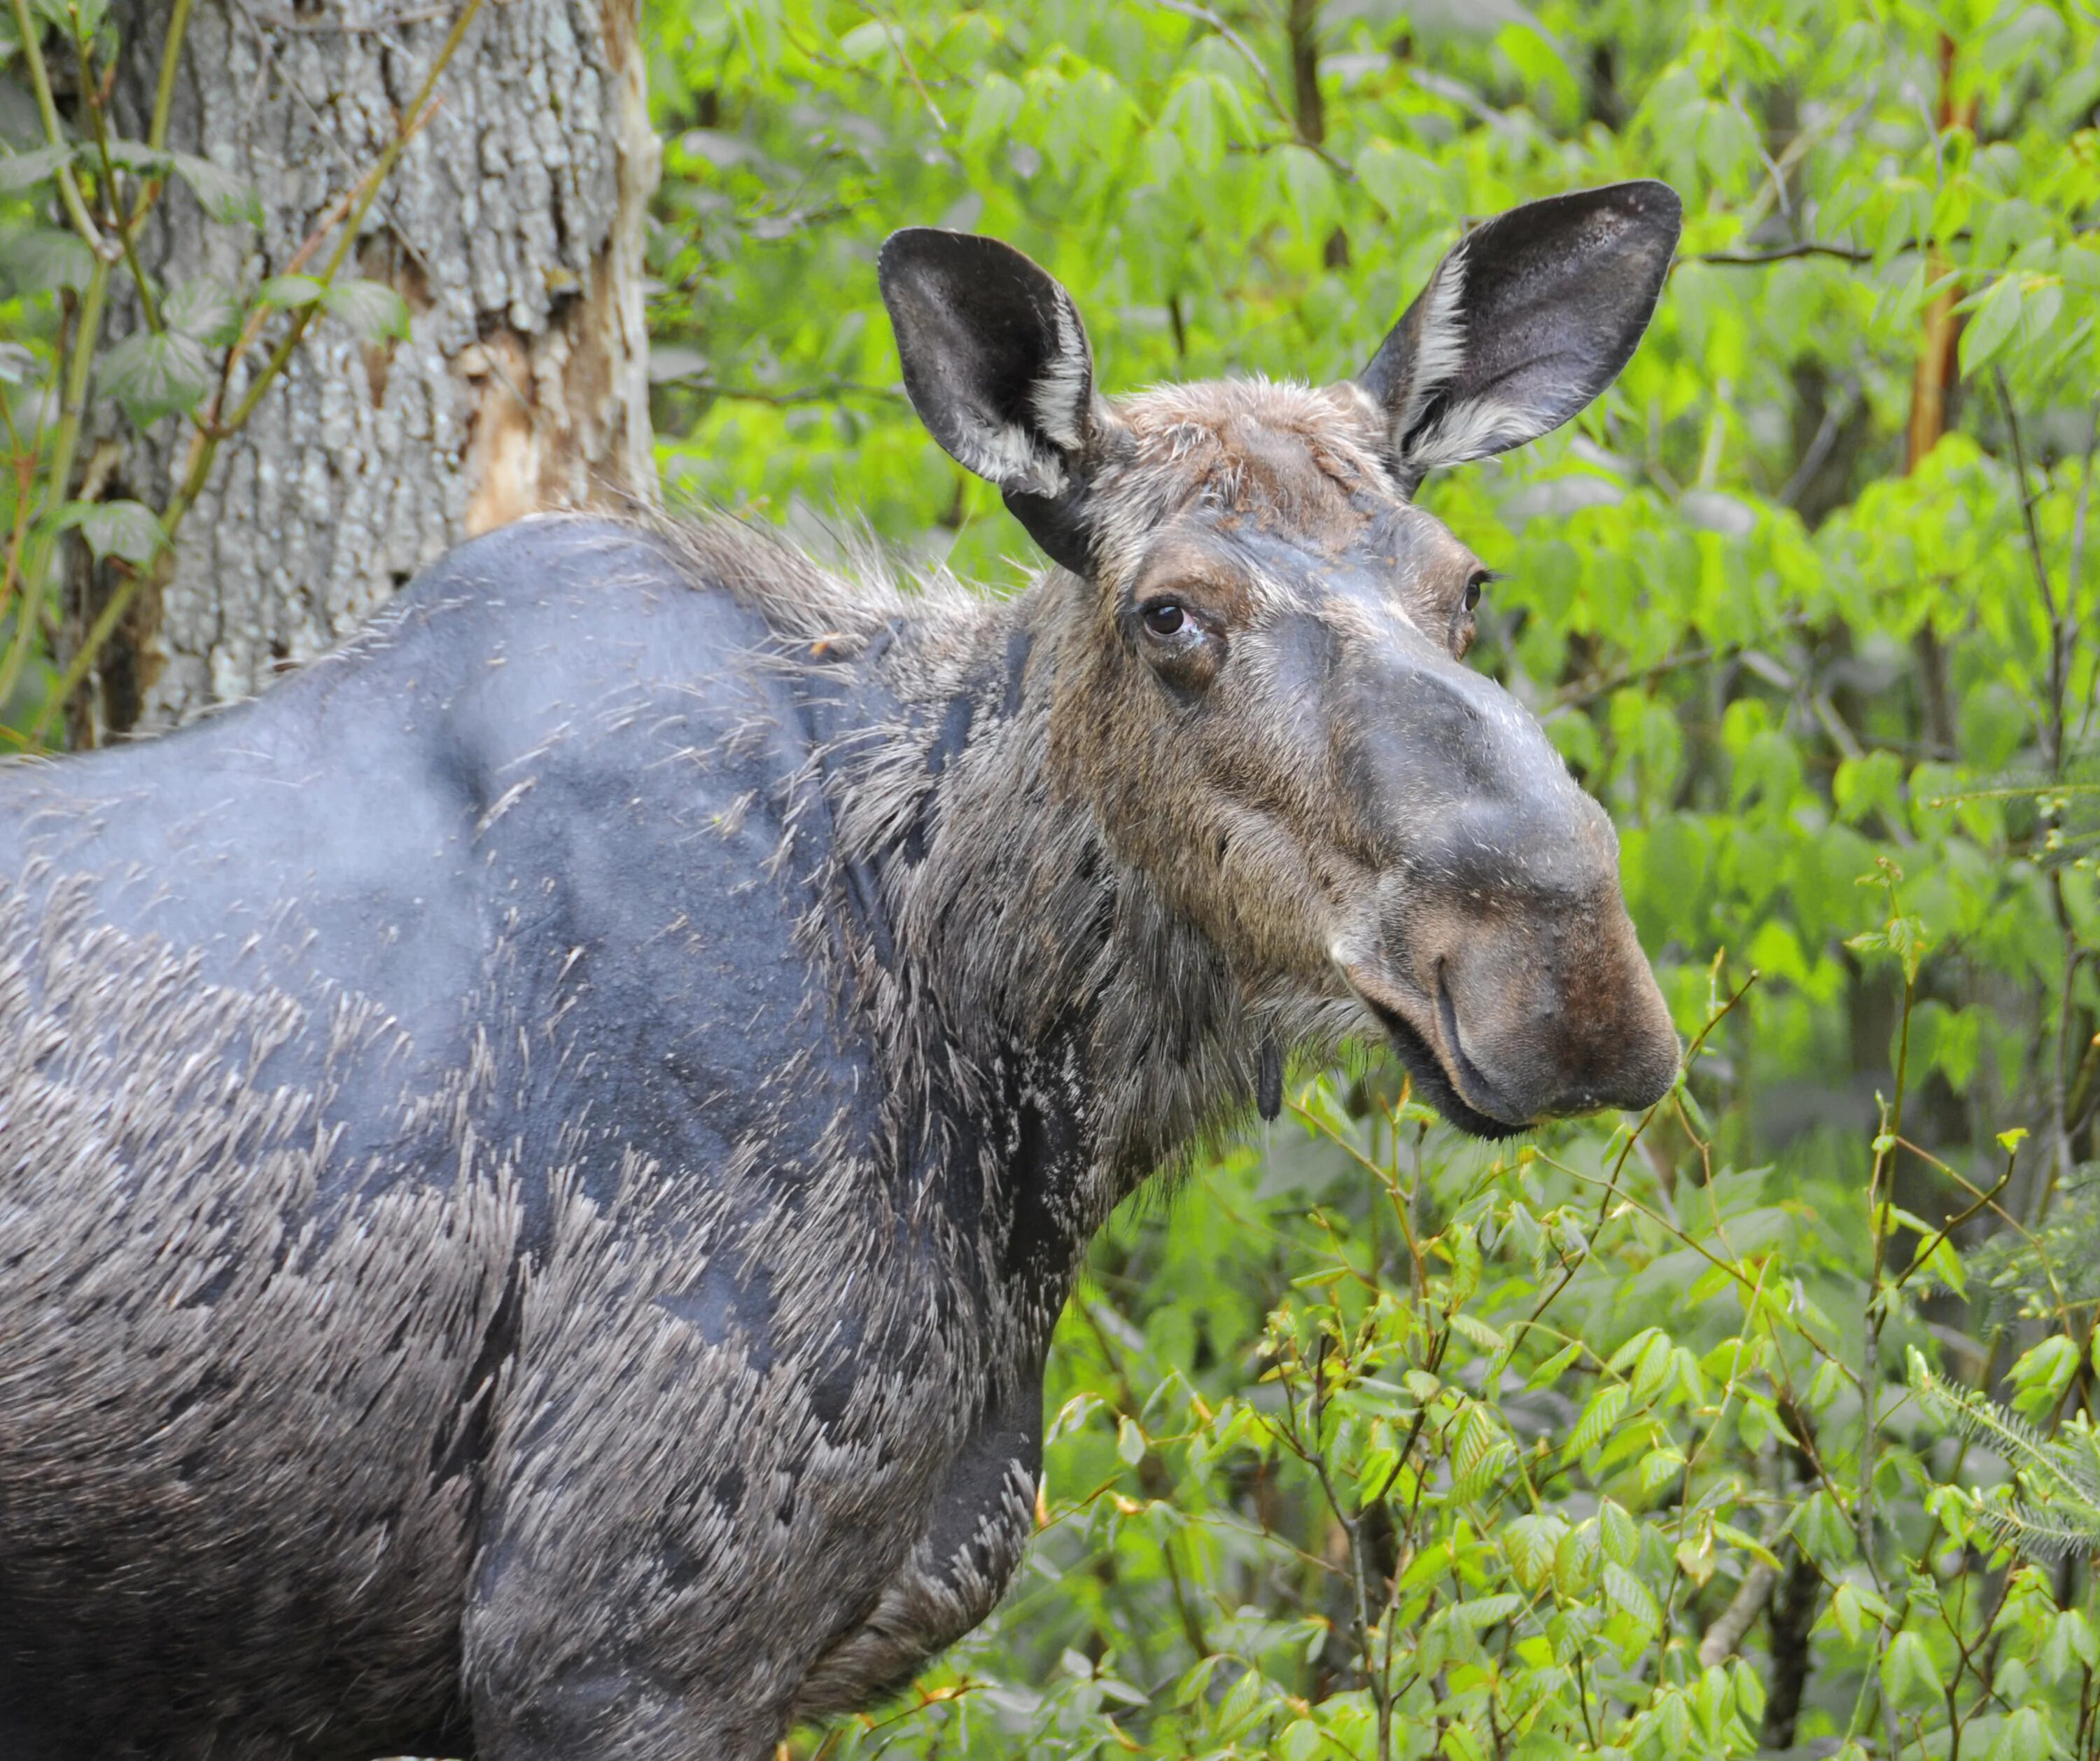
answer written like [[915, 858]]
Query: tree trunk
[[513, 227]]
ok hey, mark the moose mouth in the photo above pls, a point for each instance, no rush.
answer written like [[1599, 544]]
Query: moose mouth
[[1434, 1082]]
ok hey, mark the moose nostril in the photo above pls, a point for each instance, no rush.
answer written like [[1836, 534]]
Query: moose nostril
[[1471, 1078]]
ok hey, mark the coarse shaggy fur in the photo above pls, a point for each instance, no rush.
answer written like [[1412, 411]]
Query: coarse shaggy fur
[[539, 1160]]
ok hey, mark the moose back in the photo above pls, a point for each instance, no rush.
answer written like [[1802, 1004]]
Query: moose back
[[539, 1160]]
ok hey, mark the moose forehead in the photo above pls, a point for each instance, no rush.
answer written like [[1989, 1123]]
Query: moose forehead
[[1276, 496]]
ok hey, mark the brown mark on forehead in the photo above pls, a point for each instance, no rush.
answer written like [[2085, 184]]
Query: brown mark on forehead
[[1238, 479]]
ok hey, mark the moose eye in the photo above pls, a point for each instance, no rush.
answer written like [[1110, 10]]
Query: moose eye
[[1164, 617]]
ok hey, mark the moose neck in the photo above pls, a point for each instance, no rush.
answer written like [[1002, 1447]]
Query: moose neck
[[999, 931]]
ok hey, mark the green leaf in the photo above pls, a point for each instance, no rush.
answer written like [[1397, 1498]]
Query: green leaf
[[1130, 1442], [1845, 1610], [1301, 1741], [1991, 324], [290, 292], [1750, 1691], [374, 312], [1575, 1558], [1652, 1370], [136, 156], [1478, 1453], [1907, 1676], [1531, 1542], [1306, 188], [203, 308], [1554, 1367], [224, 196], [1630, 1596], [1598, 1418], [1748, 1543], [127, 530], [35, 259], [1473, 1328], [2070, 1646], [2023, 1737], [155, 375], [1620, 1533], [1483, 1612], [22, 171]]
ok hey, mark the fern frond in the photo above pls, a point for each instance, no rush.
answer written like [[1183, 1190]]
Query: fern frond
[[2029, 1531], [2063, 1474], [1983, 1420]]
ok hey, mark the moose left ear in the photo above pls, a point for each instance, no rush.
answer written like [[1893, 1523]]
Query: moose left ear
[[1527, 320], [996, 363]]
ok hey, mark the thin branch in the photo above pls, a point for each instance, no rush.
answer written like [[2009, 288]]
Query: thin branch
[[1585, 691], [1721, 1638], [1780, 253], [149, 306], [164, 94], [895, 33]]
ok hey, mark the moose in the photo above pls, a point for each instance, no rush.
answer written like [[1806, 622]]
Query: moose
[[538, 1160]]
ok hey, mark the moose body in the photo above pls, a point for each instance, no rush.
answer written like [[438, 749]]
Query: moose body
[[539, 1160]]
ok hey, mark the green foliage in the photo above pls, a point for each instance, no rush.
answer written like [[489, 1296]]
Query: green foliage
[[1370, 1441]]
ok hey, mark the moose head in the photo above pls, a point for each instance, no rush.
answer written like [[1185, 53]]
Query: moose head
[[1261, 689]]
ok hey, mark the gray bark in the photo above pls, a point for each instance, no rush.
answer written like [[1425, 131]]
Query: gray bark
[[512, 226]]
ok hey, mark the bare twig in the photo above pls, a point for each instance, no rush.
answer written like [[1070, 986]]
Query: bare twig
[[1780, 253]]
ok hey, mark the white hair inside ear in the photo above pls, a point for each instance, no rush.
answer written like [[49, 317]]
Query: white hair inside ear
[[1528, 318], [1066, 386]]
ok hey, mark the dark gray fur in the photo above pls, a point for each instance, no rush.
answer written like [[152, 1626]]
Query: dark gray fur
[[539, 1162]]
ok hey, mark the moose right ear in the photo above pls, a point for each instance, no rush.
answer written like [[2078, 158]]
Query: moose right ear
[[1523, 324], [996, 363]]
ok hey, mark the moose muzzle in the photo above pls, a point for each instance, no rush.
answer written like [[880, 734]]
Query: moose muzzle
[[1501, 962]]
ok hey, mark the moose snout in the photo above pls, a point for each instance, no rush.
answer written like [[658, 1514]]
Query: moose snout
[[1507, 972], [1523, 1010], [1549, 1011]]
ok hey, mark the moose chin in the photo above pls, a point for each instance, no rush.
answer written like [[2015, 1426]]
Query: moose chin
[[539, 1161]]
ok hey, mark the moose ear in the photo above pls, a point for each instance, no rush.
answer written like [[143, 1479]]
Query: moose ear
[[997, 364], [1530, 317]]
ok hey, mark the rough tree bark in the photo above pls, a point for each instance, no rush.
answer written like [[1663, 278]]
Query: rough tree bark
[[512, 226]]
